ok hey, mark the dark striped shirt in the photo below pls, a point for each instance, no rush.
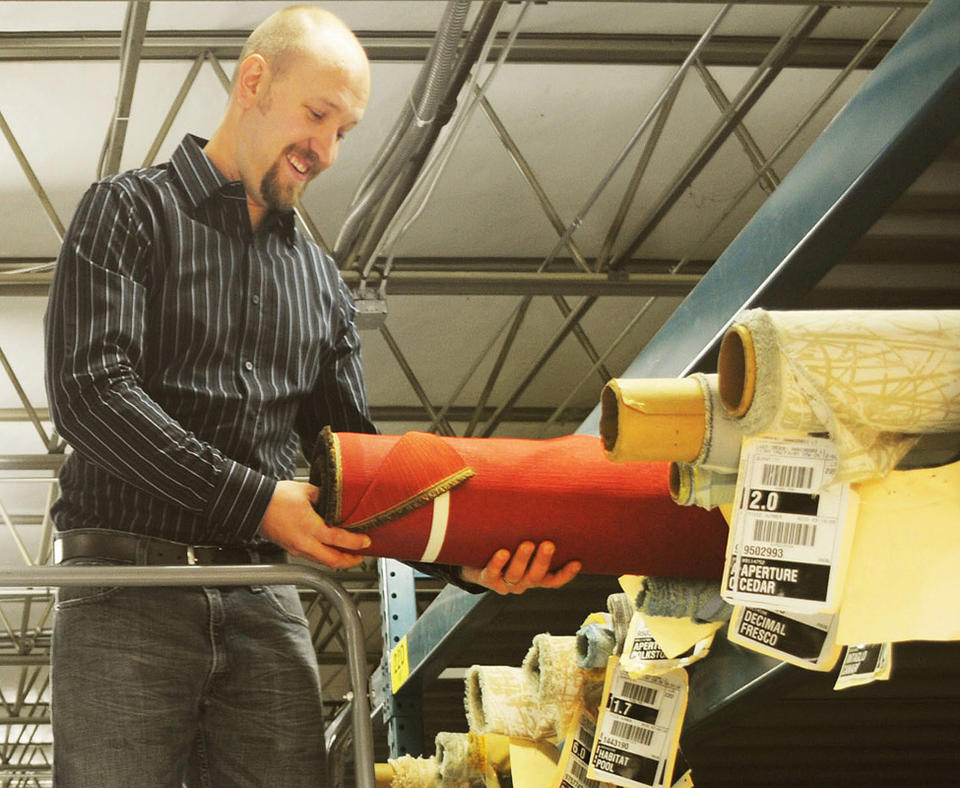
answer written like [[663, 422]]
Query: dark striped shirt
[[187, 354]]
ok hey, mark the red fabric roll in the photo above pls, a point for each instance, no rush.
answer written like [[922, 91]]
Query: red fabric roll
[[460, 499]]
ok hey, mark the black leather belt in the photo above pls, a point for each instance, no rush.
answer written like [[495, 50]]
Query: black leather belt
[[145, 550]]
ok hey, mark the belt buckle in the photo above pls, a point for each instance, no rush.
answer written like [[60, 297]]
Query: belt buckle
[[191, 556]]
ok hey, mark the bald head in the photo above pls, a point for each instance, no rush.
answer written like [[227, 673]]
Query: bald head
[[303, 30], [301, 85]]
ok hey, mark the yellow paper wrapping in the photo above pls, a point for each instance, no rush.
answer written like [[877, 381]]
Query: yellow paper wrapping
[[873, 380], [903, 578], [650, 420], [532, 763]]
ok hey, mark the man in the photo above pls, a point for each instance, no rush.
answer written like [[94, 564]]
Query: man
[[193, 335]]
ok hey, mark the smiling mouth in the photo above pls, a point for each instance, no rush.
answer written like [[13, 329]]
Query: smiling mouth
[[300, 165]]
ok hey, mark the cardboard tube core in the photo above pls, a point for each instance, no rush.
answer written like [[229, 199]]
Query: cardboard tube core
[[609, 430], [737, 371], [652, 419], [680, 483]]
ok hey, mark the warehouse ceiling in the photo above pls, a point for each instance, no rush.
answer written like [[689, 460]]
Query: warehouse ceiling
[[603, 150]]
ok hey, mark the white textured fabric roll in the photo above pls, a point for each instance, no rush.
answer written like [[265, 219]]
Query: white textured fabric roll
[[872, 379], [503, 699], [551, 663], [410, 772], [722, 433]]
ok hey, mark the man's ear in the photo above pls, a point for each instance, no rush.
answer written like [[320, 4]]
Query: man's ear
[[252, 79]]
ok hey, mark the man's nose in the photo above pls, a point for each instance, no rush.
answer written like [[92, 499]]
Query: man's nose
[[324, 146]]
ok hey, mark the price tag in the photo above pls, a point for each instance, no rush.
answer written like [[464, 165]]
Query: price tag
[[643, 656], [638, 730], [575, 758], [792, 527], [865, 664], [399, 664], [808, 641]]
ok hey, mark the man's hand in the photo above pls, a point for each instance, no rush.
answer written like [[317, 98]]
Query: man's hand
[[291, 522], [527, 568]]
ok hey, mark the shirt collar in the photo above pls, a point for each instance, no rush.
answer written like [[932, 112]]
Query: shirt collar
[[199, 176], [202, 180]]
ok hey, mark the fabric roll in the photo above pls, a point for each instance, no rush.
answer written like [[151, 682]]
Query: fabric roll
[[720, 449], [458, 757], [503, 699], [682, 598], [461, 759], [697, 485], [471, 758], [551, 664], [410, 772], [873, 380], [669, 419], [422, 497], [650, 419], [596, 643], [620, 607]]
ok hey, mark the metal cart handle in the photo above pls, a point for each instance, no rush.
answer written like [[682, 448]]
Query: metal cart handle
[[274, 574]]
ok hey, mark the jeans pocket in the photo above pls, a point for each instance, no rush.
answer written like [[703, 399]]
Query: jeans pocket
[[285, 600], [74, 596]]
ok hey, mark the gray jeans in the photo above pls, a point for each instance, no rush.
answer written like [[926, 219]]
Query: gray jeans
[[166, 687]]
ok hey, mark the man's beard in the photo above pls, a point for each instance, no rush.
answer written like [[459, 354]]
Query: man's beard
[[282, 197]]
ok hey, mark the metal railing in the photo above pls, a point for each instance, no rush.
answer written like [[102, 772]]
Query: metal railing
[[276, 574]]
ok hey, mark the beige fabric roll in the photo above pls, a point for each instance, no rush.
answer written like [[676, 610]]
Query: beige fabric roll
[[551, 664], [503, 699], [872, 379], [652, 419], [471, 758], [697, 485], [410, 772]]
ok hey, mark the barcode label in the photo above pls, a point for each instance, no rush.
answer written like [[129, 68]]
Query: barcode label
[[793, 477], [632, 733], [640, 694], [579, 772], [784, 533]]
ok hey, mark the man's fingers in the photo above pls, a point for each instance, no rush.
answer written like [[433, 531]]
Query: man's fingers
[[342, 538], [539, 567], [329, 556], [515, 572], [313, 492], [562, 576]]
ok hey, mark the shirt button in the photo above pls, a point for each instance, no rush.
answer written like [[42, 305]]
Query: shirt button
[[248, 365], [255, 299]]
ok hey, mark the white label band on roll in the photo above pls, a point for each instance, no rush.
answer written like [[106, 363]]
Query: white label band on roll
[[438, 528]]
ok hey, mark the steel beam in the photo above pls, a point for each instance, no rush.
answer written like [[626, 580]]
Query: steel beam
[[574, 48], [903, 116], [730, 120], [492, 283], [131, 46]]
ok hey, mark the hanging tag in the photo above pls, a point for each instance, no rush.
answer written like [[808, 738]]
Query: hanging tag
[[865, 664], [575, 757], [792, 527], [808, 641], [685, 780], [638, 730], [643, 656]]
